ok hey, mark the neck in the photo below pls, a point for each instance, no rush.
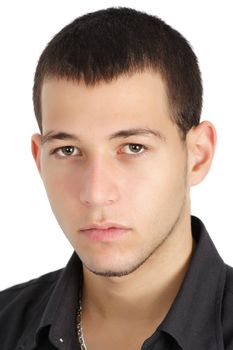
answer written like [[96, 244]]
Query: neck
[[148, 291]]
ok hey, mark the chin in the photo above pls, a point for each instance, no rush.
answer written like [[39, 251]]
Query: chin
[[123, 269]]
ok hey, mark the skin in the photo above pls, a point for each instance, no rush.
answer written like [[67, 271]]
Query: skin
[[129, 282]]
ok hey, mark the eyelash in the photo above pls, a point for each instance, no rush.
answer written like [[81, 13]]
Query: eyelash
[[55, 151]]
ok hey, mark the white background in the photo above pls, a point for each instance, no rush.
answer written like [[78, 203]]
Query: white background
[[31, 242]]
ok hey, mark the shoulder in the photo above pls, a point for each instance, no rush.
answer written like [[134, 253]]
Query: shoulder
[[28, 307], [20, 303], [32, 287]]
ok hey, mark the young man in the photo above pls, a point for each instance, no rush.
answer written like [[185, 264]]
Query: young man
[[118, 98]]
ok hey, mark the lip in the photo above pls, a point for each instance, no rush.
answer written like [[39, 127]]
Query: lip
[[107, 234], [103, 226]]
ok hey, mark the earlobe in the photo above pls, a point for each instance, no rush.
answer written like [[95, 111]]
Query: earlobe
[[201, 146], [35, 148]]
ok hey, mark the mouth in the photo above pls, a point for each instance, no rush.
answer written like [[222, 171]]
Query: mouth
[[105, 234]]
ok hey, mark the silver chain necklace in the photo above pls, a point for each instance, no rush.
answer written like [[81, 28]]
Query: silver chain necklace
[[79, 324]]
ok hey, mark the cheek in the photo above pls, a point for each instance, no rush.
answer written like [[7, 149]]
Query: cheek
[[60, 190], [162, 187], [63, 202], [58, 177]]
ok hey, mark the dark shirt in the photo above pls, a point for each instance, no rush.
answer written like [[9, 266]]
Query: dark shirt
[[41, 314]]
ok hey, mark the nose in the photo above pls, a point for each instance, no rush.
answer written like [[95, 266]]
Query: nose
[[99, 183]]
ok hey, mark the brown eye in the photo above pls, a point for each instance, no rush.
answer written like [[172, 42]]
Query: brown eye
[[66, 151], [134, 148]]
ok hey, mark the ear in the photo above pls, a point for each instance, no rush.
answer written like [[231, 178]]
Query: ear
[[36, 149], [201, 143]]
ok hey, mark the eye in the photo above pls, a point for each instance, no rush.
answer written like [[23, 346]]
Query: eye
[[135, 148], [65, 151]]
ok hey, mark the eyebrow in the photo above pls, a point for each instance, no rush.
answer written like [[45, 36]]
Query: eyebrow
[[53, 135]]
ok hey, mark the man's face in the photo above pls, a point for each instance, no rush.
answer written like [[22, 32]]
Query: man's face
[[137, 181]]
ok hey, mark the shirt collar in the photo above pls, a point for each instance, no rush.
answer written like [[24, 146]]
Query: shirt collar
[[194, 319]]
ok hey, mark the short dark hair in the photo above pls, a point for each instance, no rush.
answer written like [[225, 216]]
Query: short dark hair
[[102, 45]]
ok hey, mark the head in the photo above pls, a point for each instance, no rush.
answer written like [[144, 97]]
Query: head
[[117, 96], [103, 45]]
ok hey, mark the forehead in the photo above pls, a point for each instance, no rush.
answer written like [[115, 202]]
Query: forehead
[[136, 98]]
